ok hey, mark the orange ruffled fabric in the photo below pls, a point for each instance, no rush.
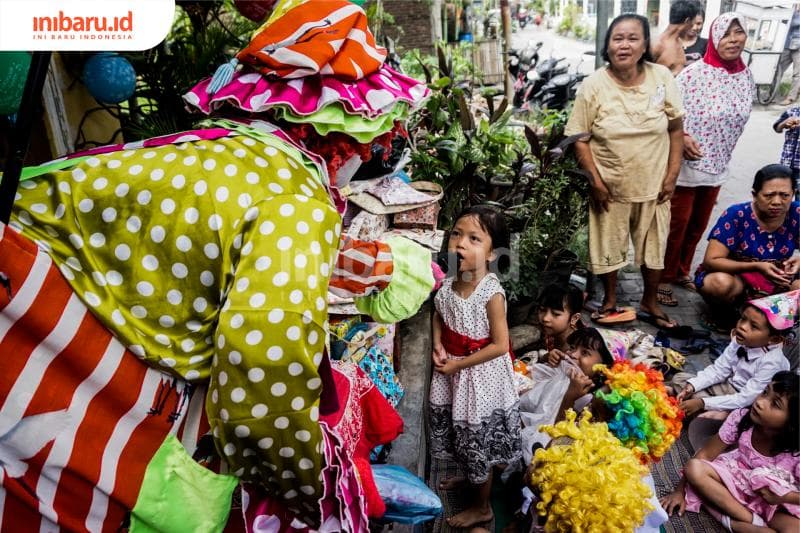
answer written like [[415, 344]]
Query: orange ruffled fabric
[[327, 37]]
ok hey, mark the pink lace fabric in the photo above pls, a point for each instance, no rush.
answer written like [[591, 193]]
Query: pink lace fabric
[[744, 471], [342, 505], [370, 96]]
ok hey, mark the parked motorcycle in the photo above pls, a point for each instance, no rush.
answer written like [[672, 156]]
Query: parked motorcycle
[[520, 62], [523, 17], [561, 89], [538, 77]]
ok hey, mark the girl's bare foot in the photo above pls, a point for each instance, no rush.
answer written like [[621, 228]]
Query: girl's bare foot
[[452, 483], [471, 516]]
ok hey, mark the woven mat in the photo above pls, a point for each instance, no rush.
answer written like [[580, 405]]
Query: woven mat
[[453, 501], [666, 474]]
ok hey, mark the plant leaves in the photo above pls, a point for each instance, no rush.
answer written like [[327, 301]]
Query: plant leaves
[[441, 83], [533, 140], [467, 122], [444, 69], [499, 112]]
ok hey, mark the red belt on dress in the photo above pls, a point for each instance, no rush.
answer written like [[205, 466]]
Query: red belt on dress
[[460, 345]]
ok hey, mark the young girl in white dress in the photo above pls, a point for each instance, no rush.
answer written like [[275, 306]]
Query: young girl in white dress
[[474, 404]]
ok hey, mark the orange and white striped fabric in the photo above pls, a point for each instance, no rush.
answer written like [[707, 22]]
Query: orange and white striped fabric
[[361, 268], [327, 37], [80, 415]]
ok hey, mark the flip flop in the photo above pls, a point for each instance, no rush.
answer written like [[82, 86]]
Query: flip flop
[[676, 331], [614, 315], [687, 284], [666, 298]]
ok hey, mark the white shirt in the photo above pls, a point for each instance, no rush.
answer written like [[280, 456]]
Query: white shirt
[[748, 375]]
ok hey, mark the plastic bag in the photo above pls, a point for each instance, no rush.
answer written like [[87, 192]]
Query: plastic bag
[[408, 500]]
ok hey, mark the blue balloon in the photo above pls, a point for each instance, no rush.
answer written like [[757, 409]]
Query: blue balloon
[[109, 77]]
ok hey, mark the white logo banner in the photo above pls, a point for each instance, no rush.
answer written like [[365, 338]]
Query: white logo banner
[[84, 25]]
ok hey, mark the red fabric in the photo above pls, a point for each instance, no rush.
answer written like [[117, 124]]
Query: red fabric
[[364, 420], [690, 212], [460, 345], [82, 416], [712, 55]]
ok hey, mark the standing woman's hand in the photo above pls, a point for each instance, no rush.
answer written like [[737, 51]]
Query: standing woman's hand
[[691, 150], [667, 190], [599, 197]]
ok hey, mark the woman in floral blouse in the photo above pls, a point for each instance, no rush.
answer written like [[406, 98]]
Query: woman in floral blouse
[[717, 94], [752, 247]]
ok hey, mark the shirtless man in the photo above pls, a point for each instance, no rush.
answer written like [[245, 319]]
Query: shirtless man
[[668, 48]]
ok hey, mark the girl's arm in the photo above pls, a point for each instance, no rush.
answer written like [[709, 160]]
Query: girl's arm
[[439, 355], [675, 501], [498, 330]]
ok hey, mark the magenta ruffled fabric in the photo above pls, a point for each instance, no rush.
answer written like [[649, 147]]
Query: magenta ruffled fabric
[[370, 96]]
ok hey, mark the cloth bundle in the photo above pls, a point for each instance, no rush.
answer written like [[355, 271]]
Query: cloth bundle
[[316, 63]]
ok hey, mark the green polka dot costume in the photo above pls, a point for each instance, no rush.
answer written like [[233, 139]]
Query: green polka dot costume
[[211, 259]]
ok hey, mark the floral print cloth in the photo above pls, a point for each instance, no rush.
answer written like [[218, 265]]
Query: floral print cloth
[[743, 470], [737, 228], [209, 259], [717, 105]]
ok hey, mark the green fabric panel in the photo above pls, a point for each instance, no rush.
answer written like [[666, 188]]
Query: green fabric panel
[[333, 118], [32, 172], [178, 494], [412, 282]]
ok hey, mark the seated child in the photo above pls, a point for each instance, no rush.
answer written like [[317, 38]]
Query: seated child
[[755, 484], [746, 366], [564, 384], [641, 423], [559, 314]]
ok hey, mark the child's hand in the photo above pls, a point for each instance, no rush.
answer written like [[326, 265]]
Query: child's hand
[[579, 383], [674, 501], [438, 355], [693, 406], [790, 123], [687, 392], [449, 367], [769, 496], [554, 357]]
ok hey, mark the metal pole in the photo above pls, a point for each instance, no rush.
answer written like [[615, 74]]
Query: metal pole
[[604, 8], [505, 14], [30, 110]]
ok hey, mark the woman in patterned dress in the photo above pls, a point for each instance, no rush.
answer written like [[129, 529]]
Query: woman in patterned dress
[[718, 96]]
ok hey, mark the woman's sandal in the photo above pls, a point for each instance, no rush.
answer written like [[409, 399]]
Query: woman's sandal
[[614, 315], [686, 283], [665, 297]]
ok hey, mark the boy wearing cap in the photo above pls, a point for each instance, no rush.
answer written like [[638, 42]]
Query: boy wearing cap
[[746, 366]]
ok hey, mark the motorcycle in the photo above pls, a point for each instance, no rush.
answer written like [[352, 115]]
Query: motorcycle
[[519, 64], [561, 89], [523, 17], [538, 77]]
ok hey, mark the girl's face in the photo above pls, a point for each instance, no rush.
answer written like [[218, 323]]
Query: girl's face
[[732, 43], [555, 322], [472, 243], [752, 328], [626, 45], [586, 359], [774, 199], [770, 410]]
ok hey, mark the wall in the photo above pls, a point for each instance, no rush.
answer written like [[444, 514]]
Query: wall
[[416, 19]]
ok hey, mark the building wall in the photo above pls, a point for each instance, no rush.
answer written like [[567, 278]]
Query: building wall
[[415, 17]]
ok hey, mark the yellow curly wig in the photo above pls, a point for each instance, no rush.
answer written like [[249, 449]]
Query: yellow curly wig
[[593, 484]]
